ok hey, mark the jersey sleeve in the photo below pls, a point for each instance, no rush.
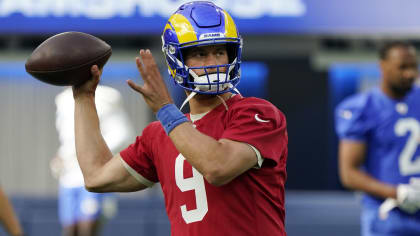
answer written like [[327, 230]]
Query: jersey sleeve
[[260, 124], [138, 159], [350, 119]]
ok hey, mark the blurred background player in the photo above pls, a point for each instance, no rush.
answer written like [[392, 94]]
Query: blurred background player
[[223, 162], [379, 134], [8, 217], [81, 212]]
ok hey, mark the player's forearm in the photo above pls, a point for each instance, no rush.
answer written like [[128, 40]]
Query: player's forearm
[[356, 179], [209, 156], [12, 225], [8, 217], [92, 151]]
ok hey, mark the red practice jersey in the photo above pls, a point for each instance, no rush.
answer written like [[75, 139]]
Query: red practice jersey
[[251, 204]]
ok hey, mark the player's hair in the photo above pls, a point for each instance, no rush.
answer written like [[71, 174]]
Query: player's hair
[[384, 50]]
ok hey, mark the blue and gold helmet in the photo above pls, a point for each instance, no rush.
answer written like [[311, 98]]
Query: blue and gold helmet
[[202, 23]]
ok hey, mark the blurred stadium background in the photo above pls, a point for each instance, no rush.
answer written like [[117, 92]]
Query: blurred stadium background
[[303, 55]]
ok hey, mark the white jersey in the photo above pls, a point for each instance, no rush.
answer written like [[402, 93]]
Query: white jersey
[[115, 127]]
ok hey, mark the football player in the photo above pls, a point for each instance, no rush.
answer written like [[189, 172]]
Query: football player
[[222, 167], [379, 134], [81, 212]]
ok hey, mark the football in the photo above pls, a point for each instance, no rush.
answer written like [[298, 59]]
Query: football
[[66, 58]]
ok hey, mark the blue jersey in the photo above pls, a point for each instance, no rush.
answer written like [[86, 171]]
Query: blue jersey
[[391, 131]]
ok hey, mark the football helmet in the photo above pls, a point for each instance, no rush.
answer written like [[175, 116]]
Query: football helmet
[[202, 23]]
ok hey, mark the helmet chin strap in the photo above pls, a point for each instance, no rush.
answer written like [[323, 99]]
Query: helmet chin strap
[[192, 94]]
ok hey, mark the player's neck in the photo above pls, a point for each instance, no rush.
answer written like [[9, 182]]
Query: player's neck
[[202, 103]]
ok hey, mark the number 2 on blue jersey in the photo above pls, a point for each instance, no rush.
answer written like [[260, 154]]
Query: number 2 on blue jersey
[[407, 163]]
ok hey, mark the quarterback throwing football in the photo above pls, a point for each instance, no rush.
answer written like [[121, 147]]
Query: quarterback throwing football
[[222, 167]]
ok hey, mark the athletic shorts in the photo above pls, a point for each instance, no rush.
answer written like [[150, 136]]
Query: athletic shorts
[[77, 204]]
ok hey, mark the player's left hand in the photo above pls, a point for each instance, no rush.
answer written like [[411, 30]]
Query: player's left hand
[[408, 199], [154, 89]]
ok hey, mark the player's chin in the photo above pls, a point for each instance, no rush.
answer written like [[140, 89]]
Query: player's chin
[[408, 84], [202, 96], [403, 89]]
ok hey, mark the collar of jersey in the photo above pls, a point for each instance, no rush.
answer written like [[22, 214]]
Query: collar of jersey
[[196, 117]]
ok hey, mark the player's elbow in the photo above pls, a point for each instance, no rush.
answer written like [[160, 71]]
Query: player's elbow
[[220, 173], [217, 177], [216, 181], [346, 178], [345, 182], [93, 189], [222, 170], [91, 186]]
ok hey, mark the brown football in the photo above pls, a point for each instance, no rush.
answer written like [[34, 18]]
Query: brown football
[[66, 58]]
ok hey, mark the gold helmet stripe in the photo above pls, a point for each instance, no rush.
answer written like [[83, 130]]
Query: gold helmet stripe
[[230, 27], [184, 30]]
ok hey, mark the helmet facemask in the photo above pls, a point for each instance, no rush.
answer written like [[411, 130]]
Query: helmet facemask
[[224, 79]]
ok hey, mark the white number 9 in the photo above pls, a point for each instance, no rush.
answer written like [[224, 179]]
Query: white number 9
[[196, 183]]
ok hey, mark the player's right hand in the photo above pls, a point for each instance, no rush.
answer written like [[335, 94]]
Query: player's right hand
[[88, 88], [408, 196]]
